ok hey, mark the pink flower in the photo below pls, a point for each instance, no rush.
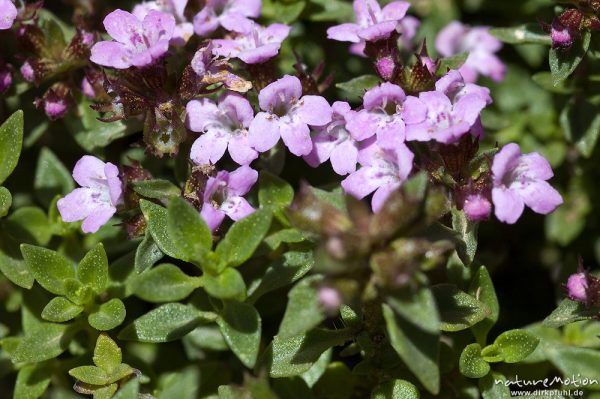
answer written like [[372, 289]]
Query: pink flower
[[184, 29], [225, 126], [224, 193], [256, 45], [287, 115], [136, 42], [482, 47], [8, 14], [433, 116], [477, 207], [335, 143], [372, 22], [383, 171], [232, 15], [578, 286], [382, 115], [97, 199], [520, 180]]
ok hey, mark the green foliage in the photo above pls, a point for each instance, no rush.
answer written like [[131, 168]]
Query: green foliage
[[11, 141]]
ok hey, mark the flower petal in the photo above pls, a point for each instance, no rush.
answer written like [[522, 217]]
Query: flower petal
[[237, 208], [121, 26], [541, 197], [213, 217], [264, 132], [344, 33], [344, 158], [296, 137], [110, 54], [241, 180], [209, 148], [282, 92], [97, 219], [201, 114], [508, 205], [240, 149], [89, 172], [314, 110]]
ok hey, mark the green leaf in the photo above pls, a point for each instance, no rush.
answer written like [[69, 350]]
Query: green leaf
[[108, 316], [51, 177], [304, 311], [563, 62], [60, 309], [395, 389], [93, 269], [418, 307], [168, 322], [357, 87], [294, 356], [482, 288], [471, 363], [5, 201], [90, 375], [284, 271], [544, 80], [490, 389], [467, 231], [77, 292], [17, 271], [524, 34], [283, 12], [569, 311], [30, 224], [32, 381], [11, 142], [156, 189], [164, 283], [49, 268], [458, 310], [242, 239], [227, 285], [147, 254], [274, 191], [333, 10], [289, 236], [46, 341], [189, 232], [453, 62], [580, 122], [572, 361], [107, 354], [156, 217], [129, 391], [516, 345], [417, 348], [240, 325], [337, 382], [184, 384], [92, 134]]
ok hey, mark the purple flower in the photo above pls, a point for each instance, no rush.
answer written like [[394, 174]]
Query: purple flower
[[334, 142], [137, 42], [232, 15], [287, 115], [457, 38], [433, 116], [407, 28], [184, 30], [256, 45], [97, 199], [27, 71], [520, 180], [477, 207], [372, 22], [224, 126], [383, 171], [578, 286], [381, 115], [87, 89], [223, 196], [6, 78], [8, 14]]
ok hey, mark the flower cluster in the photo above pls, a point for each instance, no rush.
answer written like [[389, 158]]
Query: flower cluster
[[376, 146]]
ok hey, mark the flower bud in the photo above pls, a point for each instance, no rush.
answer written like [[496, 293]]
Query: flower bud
[[27, 72], [477, 207], [5, 77], [578, 287], [329, 298], [55, 101]]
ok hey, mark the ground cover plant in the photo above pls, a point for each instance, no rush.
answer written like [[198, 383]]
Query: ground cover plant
[[299, 199]]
